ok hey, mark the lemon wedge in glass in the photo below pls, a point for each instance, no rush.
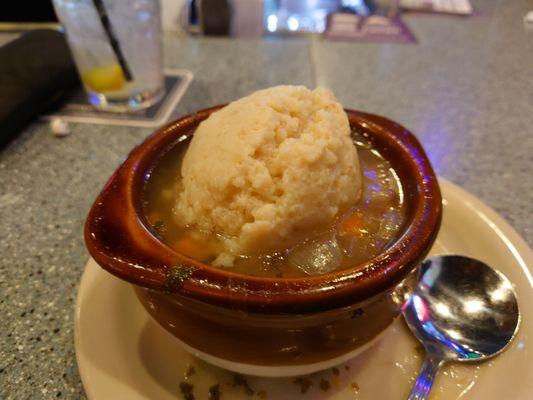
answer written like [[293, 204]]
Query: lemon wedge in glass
[[104, 78]]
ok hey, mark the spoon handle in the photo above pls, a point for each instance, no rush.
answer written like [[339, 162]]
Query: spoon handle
[[425, 378]]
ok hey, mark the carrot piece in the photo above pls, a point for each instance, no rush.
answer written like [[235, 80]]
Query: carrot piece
[[192, 248], [153, 217], [351, 225]]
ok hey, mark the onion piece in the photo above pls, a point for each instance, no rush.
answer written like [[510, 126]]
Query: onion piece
[[317, 256]]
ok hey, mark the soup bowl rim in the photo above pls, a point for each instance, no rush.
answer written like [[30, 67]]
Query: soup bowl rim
[[119, 239]]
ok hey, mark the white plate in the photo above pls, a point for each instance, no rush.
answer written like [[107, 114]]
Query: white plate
[[123, 354]]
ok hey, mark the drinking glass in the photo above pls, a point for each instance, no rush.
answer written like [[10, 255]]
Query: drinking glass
[[116, 45]]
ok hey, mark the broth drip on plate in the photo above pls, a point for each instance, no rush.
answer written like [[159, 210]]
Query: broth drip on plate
[[356, 235]]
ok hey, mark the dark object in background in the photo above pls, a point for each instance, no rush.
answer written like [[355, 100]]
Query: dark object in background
[[215, 17], [25, 15], [28, 11], [36, 71]]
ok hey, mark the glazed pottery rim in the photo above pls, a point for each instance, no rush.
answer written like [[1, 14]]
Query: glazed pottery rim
[[150, 263]]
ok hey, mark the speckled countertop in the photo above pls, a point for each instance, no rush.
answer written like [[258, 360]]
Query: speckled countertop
[[466, 90]]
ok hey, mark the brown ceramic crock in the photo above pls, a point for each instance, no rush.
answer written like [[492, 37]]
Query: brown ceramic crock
[[256, 320]]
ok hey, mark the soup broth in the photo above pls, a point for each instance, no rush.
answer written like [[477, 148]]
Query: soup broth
[[357, 235]]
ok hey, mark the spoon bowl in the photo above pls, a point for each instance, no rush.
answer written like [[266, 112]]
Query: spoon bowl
[[461, 310]]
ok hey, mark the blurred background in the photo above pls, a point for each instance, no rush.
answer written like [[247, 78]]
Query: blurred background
[[222, 17]]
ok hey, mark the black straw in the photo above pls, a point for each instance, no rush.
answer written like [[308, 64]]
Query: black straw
[[108, 29]]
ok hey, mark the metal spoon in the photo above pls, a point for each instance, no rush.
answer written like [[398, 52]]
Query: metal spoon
[[461, 310]]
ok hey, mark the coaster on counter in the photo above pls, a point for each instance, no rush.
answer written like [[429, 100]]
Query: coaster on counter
[[458, 7], [375, 28], [78, 109]]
